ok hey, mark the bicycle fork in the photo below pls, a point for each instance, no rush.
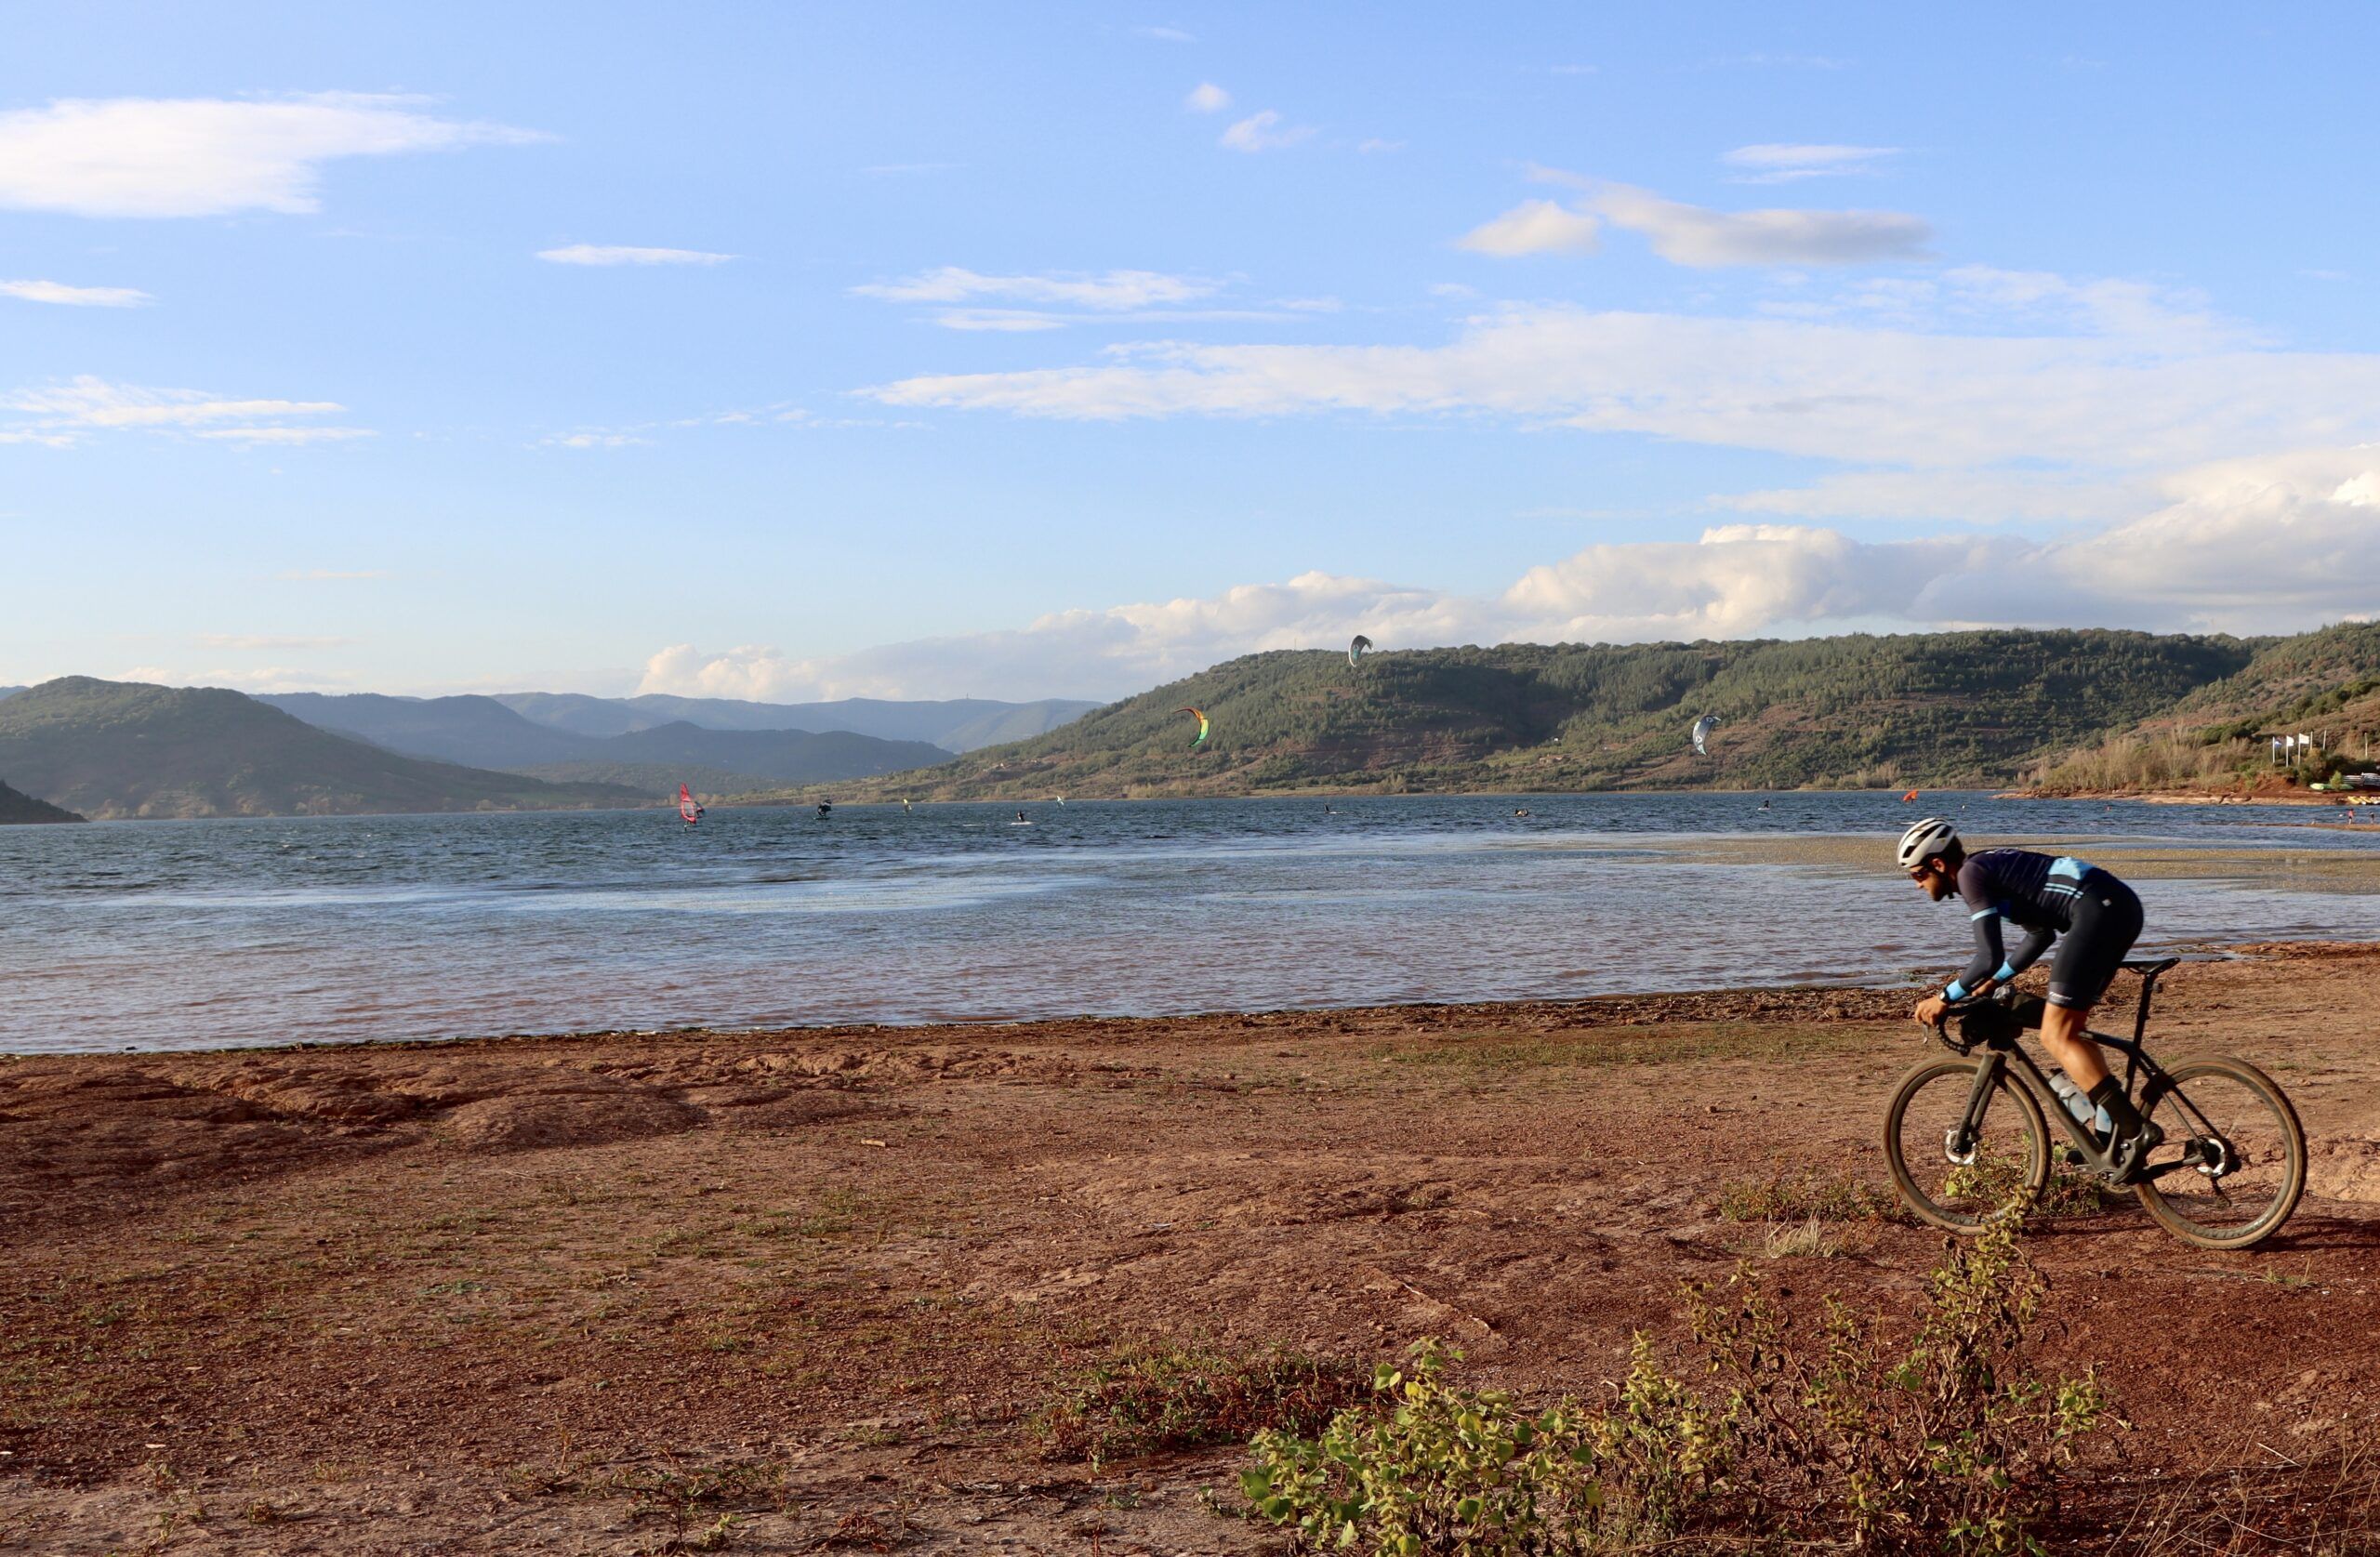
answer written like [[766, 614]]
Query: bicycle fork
[[1959, 1141]]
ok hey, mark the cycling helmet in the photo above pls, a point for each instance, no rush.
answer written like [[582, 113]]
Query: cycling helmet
[[1923, 841]]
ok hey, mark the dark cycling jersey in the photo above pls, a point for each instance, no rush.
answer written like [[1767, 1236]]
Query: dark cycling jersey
[[2045, 896]]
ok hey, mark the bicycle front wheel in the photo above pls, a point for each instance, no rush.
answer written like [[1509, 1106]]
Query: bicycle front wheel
[[1954, 1173], [2240, 1151]]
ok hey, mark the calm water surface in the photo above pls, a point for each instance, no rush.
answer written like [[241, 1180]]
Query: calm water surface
[[201, 934]]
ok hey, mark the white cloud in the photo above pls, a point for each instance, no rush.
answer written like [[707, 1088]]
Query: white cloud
[[2255, 546], [1376, 145], [1534, 226], [1207, 98], [1774, 164], [1863, 395], [284, 435], [1977, 497], [618, 254], [76, 296], [1166, 34], [1113, 290], [596, 440], [266, 643], [206, 156], [67, 413], [1265, 131], [1705, 239]]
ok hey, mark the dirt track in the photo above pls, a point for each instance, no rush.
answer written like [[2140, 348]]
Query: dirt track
[[493, 1297]]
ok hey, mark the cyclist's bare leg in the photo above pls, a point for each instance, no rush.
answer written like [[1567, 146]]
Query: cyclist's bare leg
[[2078, 1056]]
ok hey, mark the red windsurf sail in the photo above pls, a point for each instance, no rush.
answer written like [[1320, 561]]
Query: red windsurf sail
[[687, 811]]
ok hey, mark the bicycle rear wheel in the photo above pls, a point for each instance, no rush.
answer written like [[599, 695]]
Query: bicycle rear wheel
[[1957, 1183], [2244, 1154]]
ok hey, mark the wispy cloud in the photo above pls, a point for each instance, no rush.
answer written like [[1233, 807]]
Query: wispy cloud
[[619, 253], [1697, 236], [1207, 98], [76, 296], [207, 156], [67, 413], [1786, 163], [1265, 131], [1113, 289], [1167, 35], [595, 440], [266, 643], [1534, 226]]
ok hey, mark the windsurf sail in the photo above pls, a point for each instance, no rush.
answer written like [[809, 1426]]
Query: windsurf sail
[[688, 812], [1908, 798], [1203, 726]]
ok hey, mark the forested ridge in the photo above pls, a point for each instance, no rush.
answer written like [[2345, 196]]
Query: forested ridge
[[1933, 710]]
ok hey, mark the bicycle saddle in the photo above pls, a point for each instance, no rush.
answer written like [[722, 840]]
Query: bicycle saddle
[[2148, 968]]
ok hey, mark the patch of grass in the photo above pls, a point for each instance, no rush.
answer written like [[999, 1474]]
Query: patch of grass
[[1808, 1240], [1148, 1401], [1806, 1197]]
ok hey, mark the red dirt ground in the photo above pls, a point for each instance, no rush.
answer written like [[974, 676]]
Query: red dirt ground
[[524, 1296]]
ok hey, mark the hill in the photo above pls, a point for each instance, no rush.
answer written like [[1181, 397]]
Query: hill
[[125, 748], [475, 731], [484, 733], [1932, 709], [658, 760], [16, 808], [955, 724], [2325, 684]]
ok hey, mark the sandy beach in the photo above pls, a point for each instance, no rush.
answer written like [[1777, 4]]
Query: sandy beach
[[599, 1294]]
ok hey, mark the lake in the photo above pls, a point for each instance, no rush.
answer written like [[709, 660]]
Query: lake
[[204, 934]]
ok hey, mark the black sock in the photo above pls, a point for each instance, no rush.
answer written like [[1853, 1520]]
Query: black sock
[[2108, 1094]]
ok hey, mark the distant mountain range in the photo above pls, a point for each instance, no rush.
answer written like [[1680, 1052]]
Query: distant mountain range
[[653, 754], [956, 725], [129, 749], [16, 808]]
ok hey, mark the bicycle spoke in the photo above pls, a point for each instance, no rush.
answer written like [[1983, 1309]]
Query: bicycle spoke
[[1951, 1178], [2233, 1159]]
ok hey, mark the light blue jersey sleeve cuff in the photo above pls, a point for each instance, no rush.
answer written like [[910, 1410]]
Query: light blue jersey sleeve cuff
[[1954, 990]]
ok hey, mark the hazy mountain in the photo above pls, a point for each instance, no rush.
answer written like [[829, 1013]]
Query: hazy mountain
[[16, 807], [475, 731], [482, 733], [1933, 708], [124, 749], [958, 724], [10, 692]]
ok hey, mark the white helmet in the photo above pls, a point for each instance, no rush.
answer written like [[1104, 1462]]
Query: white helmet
[[1923, 841]]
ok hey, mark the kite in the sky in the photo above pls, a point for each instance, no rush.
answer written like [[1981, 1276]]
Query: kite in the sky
[[1355, 650], [1703, 728], [1203, 727]]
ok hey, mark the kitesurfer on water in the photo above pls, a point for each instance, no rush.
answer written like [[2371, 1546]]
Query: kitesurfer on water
[[2099, 918]]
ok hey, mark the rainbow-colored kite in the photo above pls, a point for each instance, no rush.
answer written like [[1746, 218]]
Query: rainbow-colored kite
[[1203, 726]]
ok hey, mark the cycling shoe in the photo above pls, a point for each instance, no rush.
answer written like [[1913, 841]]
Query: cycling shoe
[[2132, 1154]]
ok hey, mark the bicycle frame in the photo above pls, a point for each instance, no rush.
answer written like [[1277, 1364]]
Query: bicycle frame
[[2207, 1150]]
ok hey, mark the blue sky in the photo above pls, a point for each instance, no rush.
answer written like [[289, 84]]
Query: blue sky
[[908, 350]]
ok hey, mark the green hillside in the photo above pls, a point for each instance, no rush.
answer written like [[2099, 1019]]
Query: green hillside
[[1933, 710], [122, 749], [16, 808], [2325, 684]]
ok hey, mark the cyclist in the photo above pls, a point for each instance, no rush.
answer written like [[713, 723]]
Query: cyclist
[[2099, 918]]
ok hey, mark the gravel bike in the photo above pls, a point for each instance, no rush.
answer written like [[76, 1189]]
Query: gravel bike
[[1969, 1136]]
